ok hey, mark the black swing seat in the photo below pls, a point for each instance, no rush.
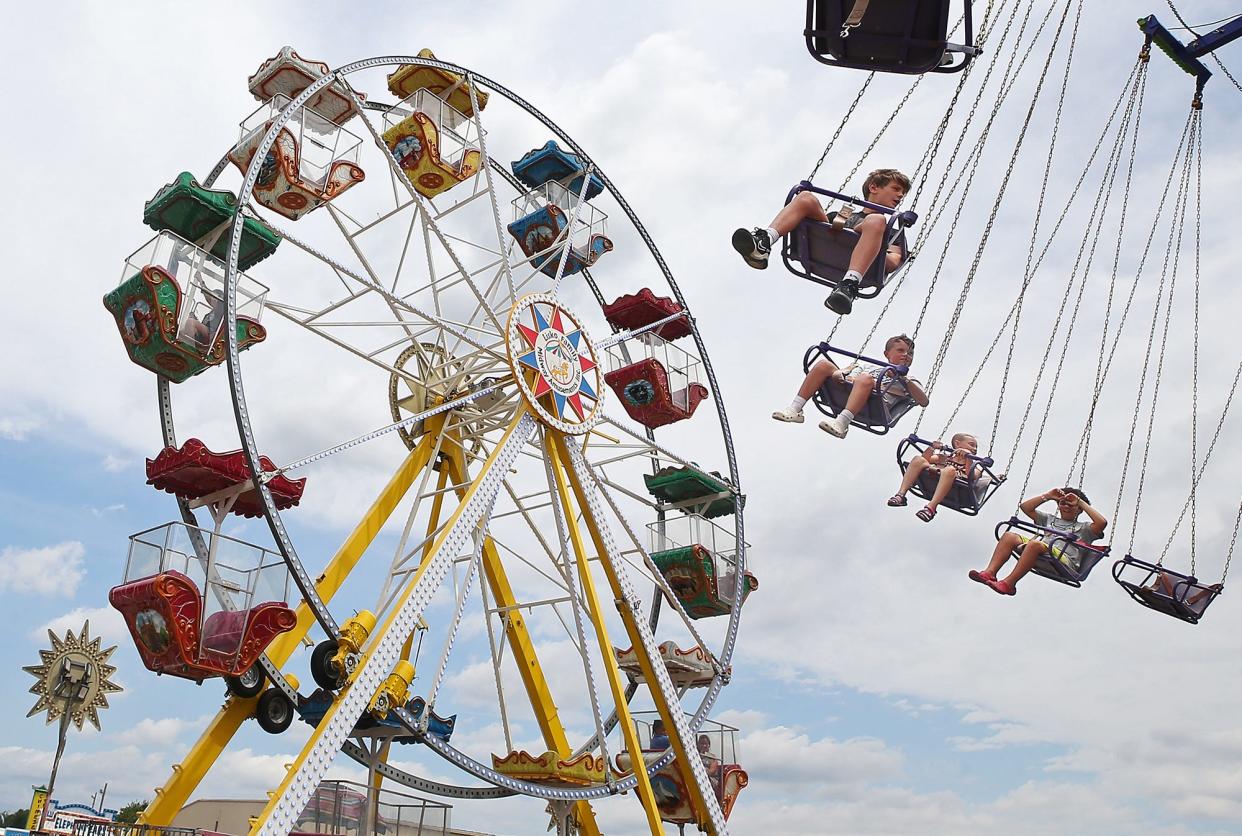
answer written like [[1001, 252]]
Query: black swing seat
[[1187, 600], [877, 416], [820, 252], [1051, 564], [889, 36], [966, 496]]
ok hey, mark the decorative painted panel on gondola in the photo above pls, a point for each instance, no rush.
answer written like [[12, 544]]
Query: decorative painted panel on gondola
[[164, 615], [148, 312], [192, 471], [703, 587], [284, 185], [636, 310], [550, 768], [643, 389]]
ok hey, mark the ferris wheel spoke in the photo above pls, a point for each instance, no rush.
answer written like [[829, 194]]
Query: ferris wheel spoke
[[485, 165], [383, 651]]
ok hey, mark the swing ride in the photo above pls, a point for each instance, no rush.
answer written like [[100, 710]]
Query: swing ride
[[485, 337], [373, 233]]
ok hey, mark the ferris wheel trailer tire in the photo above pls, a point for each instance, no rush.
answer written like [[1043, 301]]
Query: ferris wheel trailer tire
[[322, 669], [247, 684], [274, 712]]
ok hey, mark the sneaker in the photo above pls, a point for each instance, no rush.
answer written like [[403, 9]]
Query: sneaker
[[788, 416], [755, 246], [841, 300], [835, 426]]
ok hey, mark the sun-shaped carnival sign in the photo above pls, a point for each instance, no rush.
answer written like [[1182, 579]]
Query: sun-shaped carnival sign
[[554, 363], [73, 678]]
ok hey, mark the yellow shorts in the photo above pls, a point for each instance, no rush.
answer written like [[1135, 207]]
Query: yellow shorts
[[1072, 559]]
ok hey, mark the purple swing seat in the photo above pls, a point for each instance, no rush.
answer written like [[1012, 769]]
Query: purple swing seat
[[1190, 597]]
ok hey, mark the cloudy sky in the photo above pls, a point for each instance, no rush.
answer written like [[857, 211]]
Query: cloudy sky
[[876, 689]]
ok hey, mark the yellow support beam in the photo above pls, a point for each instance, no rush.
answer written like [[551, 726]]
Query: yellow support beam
[[628, 730], [531, 672], [380, 632], [676, 742], [186, 776]]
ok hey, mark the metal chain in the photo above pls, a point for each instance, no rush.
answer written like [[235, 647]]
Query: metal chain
[[938, 364], [878, 134], [1173, 250], [841, 125], [1203, 467], [1194, 376], [1233, 541], [1125, 467], [1101, 370]]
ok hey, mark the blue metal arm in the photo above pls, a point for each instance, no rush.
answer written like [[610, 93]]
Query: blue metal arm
[[1176, 50]]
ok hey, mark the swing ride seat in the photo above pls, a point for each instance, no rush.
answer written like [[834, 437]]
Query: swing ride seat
[[820, 252], [289, 74], [966, 496], [192, 471], [643, 389], [673, 800], [281, 186], [415, 143], [703, 590], [906, 36], [311, 709], [550, 163], [146, 309], [636, 310], [1188, 600], [692, 491], [687, 668], [409, 78], [163, 613], [878, 415], [194, 212], [1052, 564], [550, 768], [537, 235]]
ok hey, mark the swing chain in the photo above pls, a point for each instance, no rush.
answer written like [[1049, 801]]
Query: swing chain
[[1233, 541], [1194, 398], [841, 126]]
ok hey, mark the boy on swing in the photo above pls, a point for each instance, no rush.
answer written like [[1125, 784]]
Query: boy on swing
[[861, 378], [884, 186], [948, 463], [1066, 525]]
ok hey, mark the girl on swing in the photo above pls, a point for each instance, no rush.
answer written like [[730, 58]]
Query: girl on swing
[[885, 186], [949, 463]]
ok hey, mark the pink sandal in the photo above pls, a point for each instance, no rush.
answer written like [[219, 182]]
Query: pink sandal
[[984, 577], [1002, 587]]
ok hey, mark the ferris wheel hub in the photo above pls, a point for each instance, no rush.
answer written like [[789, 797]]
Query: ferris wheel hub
[[554, 363]]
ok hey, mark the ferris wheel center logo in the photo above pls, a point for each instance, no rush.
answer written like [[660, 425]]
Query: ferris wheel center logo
[[555, 363]]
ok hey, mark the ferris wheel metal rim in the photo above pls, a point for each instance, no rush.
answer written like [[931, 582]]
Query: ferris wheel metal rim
[[249, 446]]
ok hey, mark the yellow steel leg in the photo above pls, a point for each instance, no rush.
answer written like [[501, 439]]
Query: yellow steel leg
[[645, 795], [536, 684], [676, 742], [186, 776]]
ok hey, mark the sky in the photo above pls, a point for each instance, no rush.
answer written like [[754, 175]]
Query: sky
[[875, 688]]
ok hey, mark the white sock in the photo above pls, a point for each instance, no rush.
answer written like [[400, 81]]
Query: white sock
[[773, 235], [845, 415], [796, 404], [853, 275]]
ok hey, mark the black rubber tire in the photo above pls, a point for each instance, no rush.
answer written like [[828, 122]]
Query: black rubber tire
[[274, 711], [323, 671], [248, 684]]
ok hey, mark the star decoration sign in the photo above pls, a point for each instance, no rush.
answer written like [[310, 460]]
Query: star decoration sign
[[73, 678], [554, 363]]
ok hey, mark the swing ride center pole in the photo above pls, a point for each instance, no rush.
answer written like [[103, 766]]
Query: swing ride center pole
[[187, 775]]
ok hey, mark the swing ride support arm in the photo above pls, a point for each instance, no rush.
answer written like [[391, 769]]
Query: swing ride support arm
[[186, 776], [1204, 44], [531, 672], [1179, 53]]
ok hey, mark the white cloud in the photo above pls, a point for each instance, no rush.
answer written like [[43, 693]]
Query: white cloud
[[105, 623], [16, 428], [48, 571]]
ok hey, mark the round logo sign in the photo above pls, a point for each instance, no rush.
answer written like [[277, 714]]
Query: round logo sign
[[554, 363]]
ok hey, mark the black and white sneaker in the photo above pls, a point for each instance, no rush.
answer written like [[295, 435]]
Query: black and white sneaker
[[754, 245], [841, 300]]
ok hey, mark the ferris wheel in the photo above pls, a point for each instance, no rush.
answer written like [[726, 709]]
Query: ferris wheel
[[408, 301]]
